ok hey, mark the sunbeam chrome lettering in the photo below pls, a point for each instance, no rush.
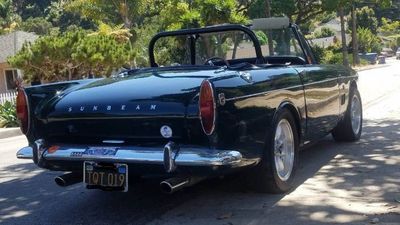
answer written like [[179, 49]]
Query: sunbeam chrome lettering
[[113, 108]]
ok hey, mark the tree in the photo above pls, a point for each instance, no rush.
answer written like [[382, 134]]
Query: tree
[[71, 55], [389, 27], [127, 12], [368, 41], [343, 34], [298, 11], [351, 5], [57, 14], [38, 25], [31, 8], [9, 20], [365, 19], [199, 13], [340, 7]]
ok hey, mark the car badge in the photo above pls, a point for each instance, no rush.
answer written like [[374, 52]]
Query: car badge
[[166, 131], [221, 98], [246, 76]]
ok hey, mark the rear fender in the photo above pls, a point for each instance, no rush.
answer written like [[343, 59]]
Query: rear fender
[[41, 95]]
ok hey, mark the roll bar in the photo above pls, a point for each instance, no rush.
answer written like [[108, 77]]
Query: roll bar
[[210, 29]]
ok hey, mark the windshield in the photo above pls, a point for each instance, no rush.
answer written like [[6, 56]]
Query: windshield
[[232, 46]]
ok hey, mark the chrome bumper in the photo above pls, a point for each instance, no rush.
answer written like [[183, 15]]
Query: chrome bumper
[[25, 153], [170, 156]]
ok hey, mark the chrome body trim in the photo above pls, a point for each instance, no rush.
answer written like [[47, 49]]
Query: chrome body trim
[[170, 153], [39, 144], [280, 89], [25, 153], [262, 93]]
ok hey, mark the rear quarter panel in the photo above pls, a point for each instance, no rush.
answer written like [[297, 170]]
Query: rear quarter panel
[[246, 117]]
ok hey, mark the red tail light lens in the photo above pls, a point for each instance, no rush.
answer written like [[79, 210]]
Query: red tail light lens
[[23, 111], [207, 107]]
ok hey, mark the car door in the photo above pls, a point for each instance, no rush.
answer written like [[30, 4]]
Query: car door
[[321, 89]]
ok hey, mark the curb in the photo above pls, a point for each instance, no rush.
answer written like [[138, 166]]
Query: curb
[[9, 132], [359, 69]]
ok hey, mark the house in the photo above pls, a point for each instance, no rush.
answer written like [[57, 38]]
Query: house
[[10, 44], [335, 26]]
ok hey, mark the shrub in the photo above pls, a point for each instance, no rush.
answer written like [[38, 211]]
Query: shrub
[[8, 115], [325, 32], [319, 52], [367, 41]]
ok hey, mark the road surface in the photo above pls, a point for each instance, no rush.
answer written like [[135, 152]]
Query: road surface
[[338, 183]]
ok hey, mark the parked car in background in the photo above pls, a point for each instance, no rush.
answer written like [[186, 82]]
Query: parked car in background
[[387, 52], [398, 53], [219, 103]]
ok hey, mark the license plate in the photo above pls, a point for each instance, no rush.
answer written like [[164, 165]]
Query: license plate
[[100, 151], [106, 176]]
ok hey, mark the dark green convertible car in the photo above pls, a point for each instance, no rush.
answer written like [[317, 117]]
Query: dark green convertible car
[[214, 101]]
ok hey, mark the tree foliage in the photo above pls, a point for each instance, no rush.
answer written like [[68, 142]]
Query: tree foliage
[[365, 19], [127, 12], [71, 55], [70, 27], [9, 20], [368, 41], [38, 25], [389, 27], [178, 14], [298, 11], [8, 115]]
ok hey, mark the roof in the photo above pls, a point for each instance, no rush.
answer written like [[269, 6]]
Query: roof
[[11, 43], [328, 41], [333, 24]]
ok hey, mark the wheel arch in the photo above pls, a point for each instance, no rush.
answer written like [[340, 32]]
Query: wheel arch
[[353, 84], [295, 113]]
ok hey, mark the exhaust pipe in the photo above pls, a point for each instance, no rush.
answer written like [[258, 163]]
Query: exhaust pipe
[[174, 184], [68, 179]]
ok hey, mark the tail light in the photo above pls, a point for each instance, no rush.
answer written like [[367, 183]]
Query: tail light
[[207, 107], [23, 111]]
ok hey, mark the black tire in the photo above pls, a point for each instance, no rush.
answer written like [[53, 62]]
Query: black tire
[[344, 130], [265, 177]]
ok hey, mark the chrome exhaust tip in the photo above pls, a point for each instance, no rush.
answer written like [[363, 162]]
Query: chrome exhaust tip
[[68, 179], [175, 184]]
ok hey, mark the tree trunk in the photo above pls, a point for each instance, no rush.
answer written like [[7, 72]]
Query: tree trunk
[[269, 36], [235, 46], [124, 12], [69, 74], [356, 60], [343, 33]]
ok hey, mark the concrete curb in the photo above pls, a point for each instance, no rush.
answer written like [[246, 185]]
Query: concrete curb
[[9, 132], [359, 69]]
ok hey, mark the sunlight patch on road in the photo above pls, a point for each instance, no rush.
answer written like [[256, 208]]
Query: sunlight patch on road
[[14, 214]]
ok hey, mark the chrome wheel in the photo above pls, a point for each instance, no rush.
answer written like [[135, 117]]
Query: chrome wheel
[[355, 112], [284, 149]]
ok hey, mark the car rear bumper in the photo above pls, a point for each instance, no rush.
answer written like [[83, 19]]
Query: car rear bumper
[[171, 157]]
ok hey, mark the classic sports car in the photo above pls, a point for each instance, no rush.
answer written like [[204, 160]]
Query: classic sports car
[[216, 100]]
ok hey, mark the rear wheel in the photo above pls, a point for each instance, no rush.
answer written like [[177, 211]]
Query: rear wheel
[[276, 171], [350, 128]]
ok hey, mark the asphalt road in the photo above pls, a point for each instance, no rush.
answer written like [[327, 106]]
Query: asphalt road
[[338, 183]]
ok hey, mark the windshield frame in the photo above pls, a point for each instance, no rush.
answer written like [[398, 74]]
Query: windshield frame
[[212, 29]]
